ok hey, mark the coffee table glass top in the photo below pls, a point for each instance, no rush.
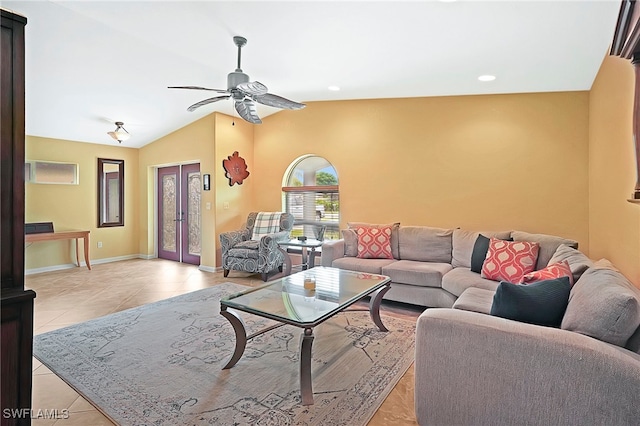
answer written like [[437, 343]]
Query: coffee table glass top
[[309, 242], [288, 301]]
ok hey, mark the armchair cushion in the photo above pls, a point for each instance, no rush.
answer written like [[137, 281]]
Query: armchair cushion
[[245, 250]]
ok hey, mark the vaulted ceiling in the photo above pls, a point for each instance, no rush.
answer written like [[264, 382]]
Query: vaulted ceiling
[[91, 63]]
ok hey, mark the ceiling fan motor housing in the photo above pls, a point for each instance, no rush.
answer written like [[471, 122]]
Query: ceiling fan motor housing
[[235, 78]]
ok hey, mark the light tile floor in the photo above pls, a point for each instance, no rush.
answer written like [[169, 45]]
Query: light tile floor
[[75, 295]]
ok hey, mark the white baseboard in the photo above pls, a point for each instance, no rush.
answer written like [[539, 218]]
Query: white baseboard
[[206, 268], [83, 264]]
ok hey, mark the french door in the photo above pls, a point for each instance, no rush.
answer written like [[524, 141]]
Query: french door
[[179, 236]]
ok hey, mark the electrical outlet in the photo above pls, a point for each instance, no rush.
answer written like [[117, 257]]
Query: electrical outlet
[[99, 244], [208, 206], [225, 205]]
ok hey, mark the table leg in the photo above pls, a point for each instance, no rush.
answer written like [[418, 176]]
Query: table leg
[[305, 258], [86, 251], [312, 258], [306, 387], [77, 254], [241, 335], [374, 306]]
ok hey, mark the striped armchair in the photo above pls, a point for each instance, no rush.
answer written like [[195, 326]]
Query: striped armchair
[[255, 248]]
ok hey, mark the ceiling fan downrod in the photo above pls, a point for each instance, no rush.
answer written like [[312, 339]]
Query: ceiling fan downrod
[[239, 41]]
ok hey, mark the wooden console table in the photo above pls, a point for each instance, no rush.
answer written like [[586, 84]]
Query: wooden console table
[[64, 235]]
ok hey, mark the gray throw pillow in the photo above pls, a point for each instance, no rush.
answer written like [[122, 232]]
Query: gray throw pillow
[[350, 242], [603, 304], [578, 262]]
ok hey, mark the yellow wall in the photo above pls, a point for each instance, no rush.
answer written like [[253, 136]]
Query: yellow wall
[[480, 162], [203, 141], [230, 138], [614, 223], [76, 206], [557, 163]]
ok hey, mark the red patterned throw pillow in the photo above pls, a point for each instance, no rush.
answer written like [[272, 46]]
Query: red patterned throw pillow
[[556, 270], [374, 243], [509, 260]]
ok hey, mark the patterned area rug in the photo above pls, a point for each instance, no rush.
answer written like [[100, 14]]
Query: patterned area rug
[[161, 364]]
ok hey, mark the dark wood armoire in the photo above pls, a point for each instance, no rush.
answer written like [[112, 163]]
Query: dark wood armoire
[[17, 303]]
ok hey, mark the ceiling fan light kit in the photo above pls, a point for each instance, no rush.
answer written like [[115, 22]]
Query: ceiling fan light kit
[[120, 133], [244, 92]]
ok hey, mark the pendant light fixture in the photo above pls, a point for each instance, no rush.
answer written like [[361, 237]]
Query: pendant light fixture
[[120, 134]]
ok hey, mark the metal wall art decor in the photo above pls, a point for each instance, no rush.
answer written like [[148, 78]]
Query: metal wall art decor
[[235, 169]]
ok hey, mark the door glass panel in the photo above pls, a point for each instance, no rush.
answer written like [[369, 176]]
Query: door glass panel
[[193, 209], [169, 209]]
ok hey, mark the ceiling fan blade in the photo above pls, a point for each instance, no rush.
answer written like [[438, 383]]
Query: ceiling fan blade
[[206, 102], [247, 110], [197, 88], [251, 88], [277, 101]]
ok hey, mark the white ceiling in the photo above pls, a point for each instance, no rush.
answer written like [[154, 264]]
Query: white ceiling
[[91, 63]]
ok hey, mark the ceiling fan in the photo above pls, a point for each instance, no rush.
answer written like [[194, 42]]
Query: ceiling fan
[[244, 92]]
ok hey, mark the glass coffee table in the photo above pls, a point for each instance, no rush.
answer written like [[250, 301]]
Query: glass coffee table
[[304, 299]]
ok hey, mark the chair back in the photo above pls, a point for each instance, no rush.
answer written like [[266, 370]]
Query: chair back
[[286, 221]]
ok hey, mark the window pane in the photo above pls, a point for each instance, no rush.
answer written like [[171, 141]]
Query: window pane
[[316, 209], [50, 172]]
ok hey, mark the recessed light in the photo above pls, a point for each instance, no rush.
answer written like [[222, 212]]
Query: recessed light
[[333, 88], [487, 77]]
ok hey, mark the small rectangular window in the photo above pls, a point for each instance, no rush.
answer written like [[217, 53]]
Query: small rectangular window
[[49, 172]]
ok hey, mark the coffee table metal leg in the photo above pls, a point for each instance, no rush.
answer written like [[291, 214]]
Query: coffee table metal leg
[[374, 306], [306, 387], [241, 335]]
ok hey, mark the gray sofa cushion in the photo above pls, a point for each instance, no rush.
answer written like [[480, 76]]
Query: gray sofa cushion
[[475, 300], [578, 262], [460, 279], [548, 245], [463, 242], [603, 304], [372, 266], [394, 234], [425, 244], [424, 274]]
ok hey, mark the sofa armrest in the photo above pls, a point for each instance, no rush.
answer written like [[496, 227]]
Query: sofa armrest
[[478, 369], [231, 238], [331, 250]]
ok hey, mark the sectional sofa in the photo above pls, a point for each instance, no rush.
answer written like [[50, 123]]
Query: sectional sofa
[[475, 367], [430, 266]]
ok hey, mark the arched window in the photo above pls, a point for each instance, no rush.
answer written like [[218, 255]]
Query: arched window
[[310, 193]]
